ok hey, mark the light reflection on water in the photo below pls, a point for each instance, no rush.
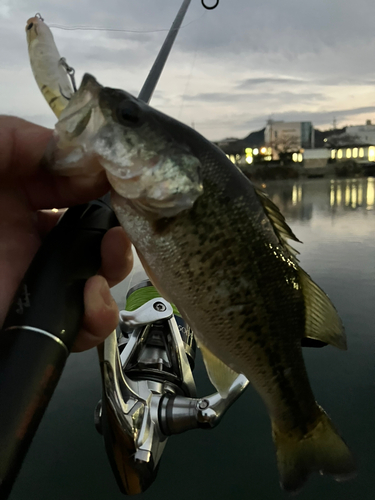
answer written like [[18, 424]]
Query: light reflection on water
[[297, 199], [336, 221]]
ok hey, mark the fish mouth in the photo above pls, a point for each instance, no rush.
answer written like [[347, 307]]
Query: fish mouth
[[70, 151], [86, 96]]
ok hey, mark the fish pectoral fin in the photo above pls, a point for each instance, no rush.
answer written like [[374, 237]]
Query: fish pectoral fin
[[322, 321], [220, 375], [281, 228], [320, 450]]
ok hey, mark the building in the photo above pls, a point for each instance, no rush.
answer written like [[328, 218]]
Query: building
[[284, 137], [362, 134], [360, 153], [316, 158]]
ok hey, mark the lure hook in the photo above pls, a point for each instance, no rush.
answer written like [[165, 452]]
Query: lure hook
[[39, 16], [70, 72], [210, 8]]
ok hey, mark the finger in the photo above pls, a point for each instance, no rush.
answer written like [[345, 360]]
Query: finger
[[22, 146], [47, 190], [117, 256], [101, 314]]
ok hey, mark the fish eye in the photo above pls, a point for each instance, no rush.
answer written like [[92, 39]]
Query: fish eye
[[30, 26], [128, 112]]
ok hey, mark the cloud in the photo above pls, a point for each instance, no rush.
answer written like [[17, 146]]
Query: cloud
[[252, 82], [317, 117], [230, 97], [238, 64]]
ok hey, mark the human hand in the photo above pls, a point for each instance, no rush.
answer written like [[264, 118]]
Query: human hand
[[26, 191]]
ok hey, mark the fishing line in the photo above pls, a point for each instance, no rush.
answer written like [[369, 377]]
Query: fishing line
[[98, 28], [187, 83]]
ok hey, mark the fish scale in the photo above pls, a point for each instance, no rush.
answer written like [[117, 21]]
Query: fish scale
[[241, 284]]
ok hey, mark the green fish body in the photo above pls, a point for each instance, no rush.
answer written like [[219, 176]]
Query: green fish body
[[217, 248]]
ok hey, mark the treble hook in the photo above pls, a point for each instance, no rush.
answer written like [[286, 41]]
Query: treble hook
[[210, 8], [70, 72], [39, 16]]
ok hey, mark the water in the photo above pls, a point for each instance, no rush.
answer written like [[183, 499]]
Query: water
[[336, 222]]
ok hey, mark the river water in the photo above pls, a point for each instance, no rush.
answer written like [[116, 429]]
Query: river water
[[336, 221]]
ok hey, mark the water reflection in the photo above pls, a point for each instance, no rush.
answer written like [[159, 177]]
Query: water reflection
[[336, 221], [359, 193], [299, 199]]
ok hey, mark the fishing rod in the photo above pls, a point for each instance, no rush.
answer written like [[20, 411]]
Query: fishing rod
[[46, 314], [157, 68]]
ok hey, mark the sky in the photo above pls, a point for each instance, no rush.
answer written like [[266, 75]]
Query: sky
[[231, 69]]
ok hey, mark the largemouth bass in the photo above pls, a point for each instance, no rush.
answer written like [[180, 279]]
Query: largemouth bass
[[216, 248]]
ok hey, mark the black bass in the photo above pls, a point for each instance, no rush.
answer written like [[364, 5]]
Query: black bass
[[216, 248]]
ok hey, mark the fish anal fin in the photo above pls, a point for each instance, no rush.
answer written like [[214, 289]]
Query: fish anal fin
[[321, 450], [322, 320], [220, 375]]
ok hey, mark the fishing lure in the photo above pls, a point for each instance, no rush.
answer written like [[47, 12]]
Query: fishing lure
[[54, 76]]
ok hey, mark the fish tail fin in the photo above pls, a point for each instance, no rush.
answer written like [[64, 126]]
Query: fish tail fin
[[321, 450]]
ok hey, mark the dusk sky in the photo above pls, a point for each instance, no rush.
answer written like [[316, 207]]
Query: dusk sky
[[231, 68]]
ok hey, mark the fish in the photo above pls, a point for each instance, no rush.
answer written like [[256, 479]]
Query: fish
[[218, 249], [48, 71]]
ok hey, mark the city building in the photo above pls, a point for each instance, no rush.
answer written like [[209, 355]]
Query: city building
[[359, 153], [364, 134], [288, 137], [316, 158]]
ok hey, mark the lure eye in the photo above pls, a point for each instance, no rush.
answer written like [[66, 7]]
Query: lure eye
[[128, 112], [30, 26]]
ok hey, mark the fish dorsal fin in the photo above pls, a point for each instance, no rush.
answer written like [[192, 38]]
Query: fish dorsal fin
[[281, 228], [221, 376], [322, 321]]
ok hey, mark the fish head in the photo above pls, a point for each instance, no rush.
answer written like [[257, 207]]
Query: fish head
[[143, 161]]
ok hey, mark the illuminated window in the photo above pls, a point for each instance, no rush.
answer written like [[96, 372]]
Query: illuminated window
[[355, 152], [249, 155], [339, 154], [295, 156], [371, 153], [333, 154], [269, 151], [300, 157], [361, 152], [232, 159], [348, 153]]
